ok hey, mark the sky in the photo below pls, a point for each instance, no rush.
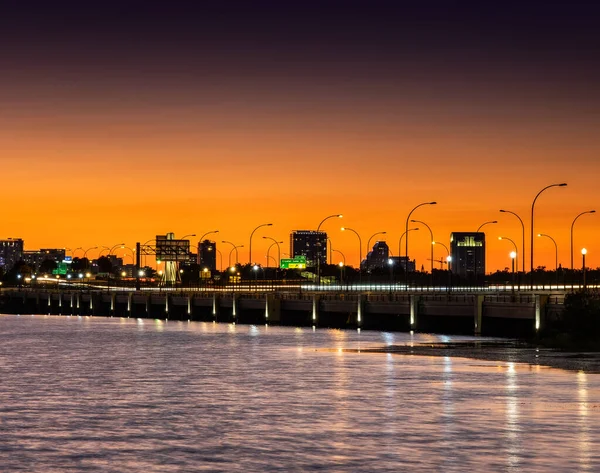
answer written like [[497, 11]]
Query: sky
[[123, 120]]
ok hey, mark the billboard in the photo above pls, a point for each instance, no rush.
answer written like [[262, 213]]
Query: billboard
[[297, 262], [172, 250]]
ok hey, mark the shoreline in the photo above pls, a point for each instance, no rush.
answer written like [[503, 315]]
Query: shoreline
[[508, 352]]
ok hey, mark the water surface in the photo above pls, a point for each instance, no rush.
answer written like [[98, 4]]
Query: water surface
[[98, 394]]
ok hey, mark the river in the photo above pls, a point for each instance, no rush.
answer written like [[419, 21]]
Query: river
[[109, 394]]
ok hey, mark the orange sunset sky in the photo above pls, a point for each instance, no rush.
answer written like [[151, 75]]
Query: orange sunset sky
[[112, 129]]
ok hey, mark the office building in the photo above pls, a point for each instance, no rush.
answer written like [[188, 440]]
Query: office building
[[377, 258], [468, 254], [310, 244], [11, 251], [207, 255]]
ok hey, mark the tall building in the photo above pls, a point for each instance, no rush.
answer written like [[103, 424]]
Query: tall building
[[468, 254], [378, 257], [310, 244], [207, 255], [11, 251]]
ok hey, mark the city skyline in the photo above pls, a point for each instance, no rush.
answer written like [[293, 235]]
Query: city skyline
[[124, 121]]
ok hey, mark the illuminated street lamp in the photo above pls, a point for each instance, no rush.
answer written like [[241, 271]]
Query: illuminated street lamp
[[514, 245], [572, 224], [583, 253], [522, 237]]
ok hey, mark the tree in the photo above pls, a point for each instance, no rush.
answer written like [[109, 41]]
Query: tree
[[48, 266]]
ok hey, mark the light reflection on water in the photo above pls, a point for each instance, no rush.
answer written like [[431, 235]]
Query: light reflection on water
[[96, 394]]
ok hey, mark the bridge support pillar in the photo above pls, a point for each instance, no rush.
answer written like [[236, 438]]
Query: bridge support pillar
[[414, 311], [189, 306], [129, 302], [112, 303], [540, 311], [215, 306], [234, 307], [360, 310], [272, 308], [478, 313], [166, 306], [315, 309]]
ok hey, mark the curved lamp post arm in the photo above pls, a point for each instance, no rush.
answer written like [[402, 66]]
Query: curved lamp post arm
[[572, 225], [522, 238], [406, 232], [532, 217], [251, 234]]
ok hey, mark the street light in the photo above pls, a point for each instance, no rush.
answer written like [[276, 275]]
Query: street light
[[513, 256], [343, 256], [514, 245], [441, 244], [185, 236], [85, 253], [406, 233], [572, 224], [359, 250], [555, 250], [275, 242], [486, 223], [522, 237], [402, 236], [319, 245], [432, 240], [208, 233], [583, 253], [234, 247], [532, 217], [251, 234], [369, 248]]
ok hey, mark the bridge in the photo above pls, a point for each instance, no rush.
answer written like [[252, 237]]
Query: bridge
[[478, 311]]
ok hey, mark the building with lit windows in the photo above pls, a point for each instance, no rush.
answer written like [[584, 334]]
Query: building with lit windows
[[377, 258], [11, 251], [35, 258], [468, 254], [310, 244], [207, 255]]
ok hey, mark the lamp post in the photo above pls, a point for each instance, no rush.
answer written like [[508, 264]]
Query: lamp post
[[441, 244], [583, 253], [275, 242], [430, 234], [221, 258], [85, 257], [532, 219], [343, 257], [369, 248], [555, 250], [234, 247], [359, 251], [513, 256], [406, 241], [341, 265], [401, 237], [514, 246], [319, 245], [522, 238], [208, 233], [475, 260], [572, 224], [200, 240], [251, 234]]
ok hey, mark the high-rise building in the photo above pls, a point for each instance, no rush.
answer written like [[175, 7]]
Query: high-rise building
[[378, 257], [468, 254], [11, 251], [310, 244], [207, 255]]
